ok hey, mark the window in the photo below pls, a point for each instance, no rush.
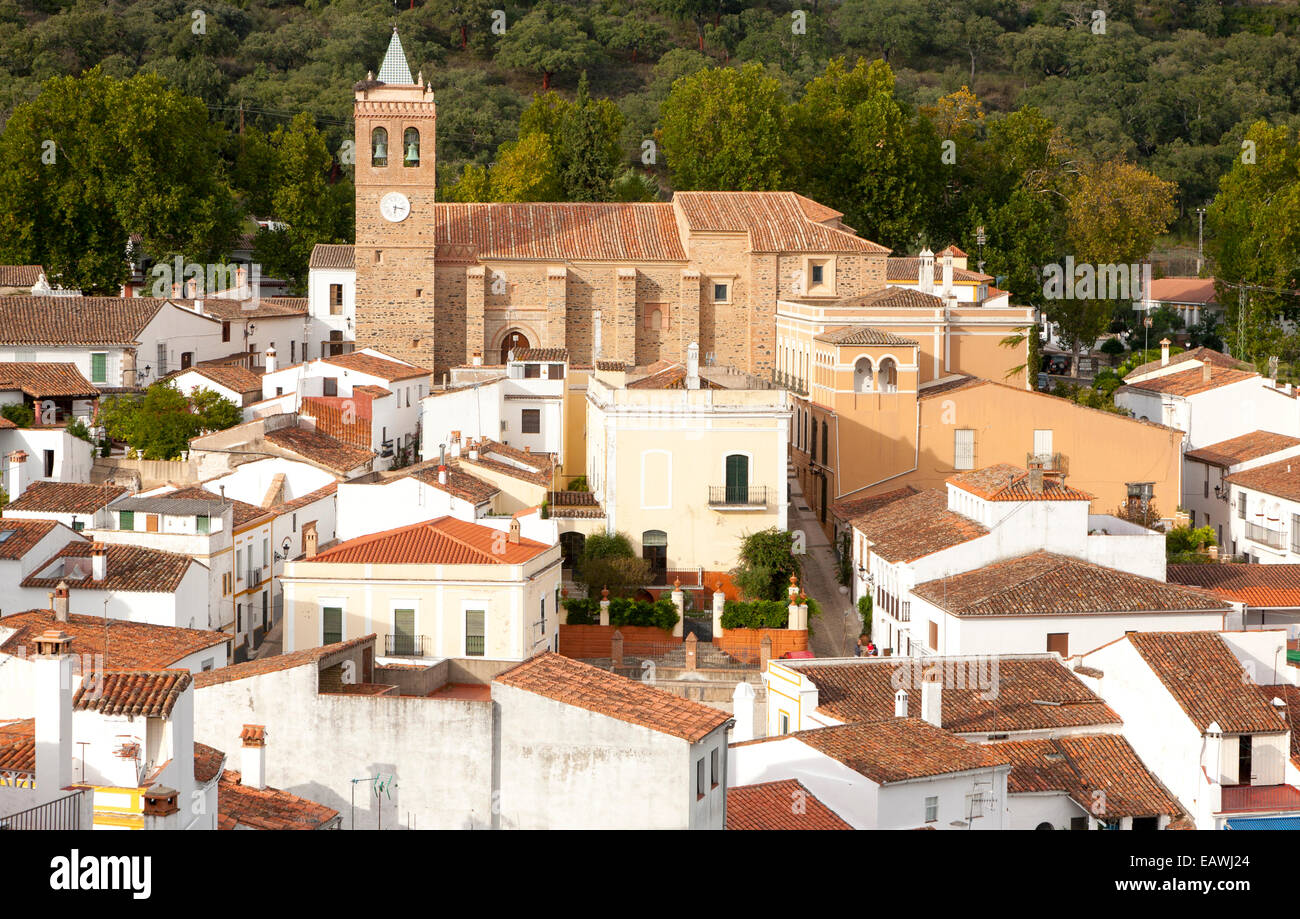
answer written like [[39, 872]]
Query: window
[[784, 724], [1140, 491], [532, 421], [1059, 642], [862, 375], [532, 371], [934, 636], [77, 525], [266, 552], [126, 520], [331, 625], [239, 618], [818, 271], [378, 147], [226, 584], [202, 523], [1295, 532], [931, 809], [813, 442], [49, 463], [330, 386], [225, 331], [737, 470], [207, 663], [99, 367], [963, 451], [1241, 505], [411, 147], [404, 642], [295, 523], [826, 433], [713, 769], [556, 372], [1207, 487], [699, 778], [721, 293], [654, 549], [239, 564], [336, 299], [1042, 443], [888, 381], [293, 351], [475, 632]]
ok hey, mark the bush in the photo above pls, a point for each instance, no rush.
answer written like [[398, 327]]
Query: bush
[[1184, 544], [19, 413], [581, 611], [579, 484], [757, 614], [608, 561], [77, 428], [660, 614], [864, 610], [767, 560]]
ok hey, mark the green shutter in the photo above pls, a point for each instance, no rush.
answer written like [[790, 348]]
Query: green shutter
[[126, 520], [737, 478], [475, 632], [403, 632], [333, 626], [202, 523], [99, 368]]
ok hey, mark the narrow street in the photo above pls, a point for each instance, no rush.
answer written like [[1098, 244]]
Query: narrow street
[[837, 630]]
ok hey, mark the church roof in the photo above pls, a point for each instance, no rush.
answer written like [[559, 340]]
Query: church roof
[[395, 69]]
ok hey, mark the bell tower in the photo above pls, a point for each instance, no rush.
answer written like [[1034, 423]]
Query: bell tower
[[395, 119]]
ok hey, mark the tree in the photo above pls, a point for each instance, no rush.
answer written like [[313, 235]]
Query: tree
[[767, 559], [158, 425], [93, 159], [20, 413], [893, 27], [695, 11], [1184, 544], [215, 411], [588, 147], [724, 129], [547, 43], [608, 562]]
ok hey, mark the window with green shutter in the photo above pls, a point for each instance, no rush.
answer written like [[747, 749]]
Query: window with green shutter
[[126, 520], [99, 368], [333, 625], [202, 522], [403, 641], [475, 632]]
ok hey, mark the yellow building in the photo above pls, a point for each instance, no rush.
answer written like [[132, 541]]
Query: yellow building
[[437, 589]]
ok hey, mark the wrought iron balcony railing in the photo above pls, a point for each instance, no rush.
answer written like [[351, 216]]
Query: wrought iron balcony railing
[[738, 496], [404, 645]]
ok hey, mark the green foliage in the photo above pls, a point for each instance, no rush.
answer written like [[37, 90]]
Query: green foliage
[[579, 483], [767, 561], [20, 413], [1138, 358], [756, 614], [77, 428], [160, 424], [1100, 397], [864, 610], [608, 561], [547, 42], [661, 614], [215, 412], [1184, 544], [844, 560], [1113, 347]]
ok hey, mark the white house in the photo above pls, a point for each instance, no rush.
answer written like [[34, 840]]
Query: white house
[[331, 299], [256, 327], [76, 505], [1206, 491], [26, 545], [230, 381], [41, 454], [56, 392], [1265, 506], [383, 501], [1194, 710], [528, 412]]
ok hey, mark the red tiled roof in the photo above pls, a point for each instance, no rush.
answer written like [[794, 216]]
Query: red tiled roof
[[66, 497], [151, 694], [18, 746], [908, 269], [262, 308], [243, 512], [20, 275], [1046, 584], [1281, 479], [208, 763], [912, 528], [997, 695], [383, 367], [460, 484], [1183, 290], [320, 448], [1284, 691], [863, 335], [672, 376], [930, 390], [1084, 765], [76, 320], [776, 221], [584, 686], [231, 376], [1235, 450], [1275, 586], [950, 250], [783, 805], [817, 212], [24, 534], [1192, 382], [444, 541], [45, 379], [506, 459], [1004, 482], [891, 298], [850, 508], [124, 645], [136, 569], [326, 255], [267, 808], [899, 749], [553, 355], [278, 662], [1204, 355], [1203, 675], [561, 232]]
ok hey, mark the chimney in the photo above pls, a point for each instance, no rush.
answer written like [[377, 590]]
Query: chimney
[[514, 530], [947, 275], [252, 759], [1036, 480], [473, 450], [191, 289], [98, 561], [17, 480], [241, 280], [900, 704], [309, 539], [1164, 352], [270, 359], [926, 271], [442, 474], [693, 366], [932, 698], [52, 673], [1205, 373], [128, 368], [477, 359], [60, 606]]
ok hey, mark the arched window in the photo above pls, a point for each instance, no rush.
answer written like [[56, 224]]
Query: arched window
[[862, 375], [888, 375], [379, 147], [411, 147], [656, 320], [654, 549]]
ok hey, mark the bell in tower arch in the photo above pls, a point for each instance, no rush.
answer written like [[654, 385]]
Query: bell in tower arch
[[412, 141]]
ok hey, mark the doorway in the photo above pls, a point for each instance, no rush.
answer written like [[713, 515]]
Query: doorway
[[654, 549], [514, 341]]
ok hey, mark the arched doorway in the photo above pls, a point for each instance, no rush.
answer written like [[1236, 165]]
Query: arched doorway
[[515, 340]]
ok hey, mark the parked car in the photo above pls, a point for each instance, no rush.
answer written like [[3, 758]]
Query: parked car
[[1044, 384]]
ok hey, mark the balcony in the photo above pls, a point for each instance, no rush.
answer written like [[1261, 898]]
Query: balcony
[[404, 645], [739, 497], [1274, 539]]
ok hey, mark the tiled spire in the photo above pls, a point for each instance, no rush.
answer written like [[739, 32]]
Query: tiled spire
[[395, 70]]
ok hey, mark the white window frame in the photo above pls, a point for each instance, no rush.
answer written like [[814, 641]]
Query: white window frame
[[333, 602], [956, 449], [466, 607]]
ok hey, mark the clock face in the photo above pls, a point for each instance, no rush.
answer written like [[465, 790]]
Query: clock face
[[394, 206]]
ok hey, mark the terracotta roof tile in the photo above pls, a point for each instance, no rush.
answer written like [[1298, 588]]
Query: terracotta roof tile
[[46, 380], [510, 461], [1281, 479], [912, 528], [66, 497], [1254, 585], [908, 268], [783, 805], [560, 232], [554, 355], [1183, 290], [320, 448], [584, 686], [1082, 765], [817, 212], [244, 513], [460, 484], [1047, 584], [900, 749], [672, 376], [76, 320], [1191, 382], [18, 746], [941, 387], [863, 335], [382, 367], [231, 376], [20, 275], [124, 645], [261, 308], [127, 568], [151, 694], [775, 221], [267, 808], [326, 255], [851, 508], [1004, 482], [1204, 355], [1250, 446], [23, 535], [208, 763], [980, 695], [444, 541], [278, 662], [1203, 675], [890, 298]]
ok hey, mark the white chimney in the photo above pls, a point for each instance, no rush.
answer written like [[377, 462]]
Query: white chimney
[[693, 366], [60, 602], [477, 359], [1164, 352], [442, 475], [947, 275], [900, 704], [932, 699], [98, 561], [742, 706], [252, 761], [925, 274], [191, 288], [52, 673], [270, 359], [16, 478]]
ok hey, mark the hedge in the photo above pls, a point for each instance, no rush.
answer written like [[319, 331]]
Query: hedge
[[661, 614], [757, 614]]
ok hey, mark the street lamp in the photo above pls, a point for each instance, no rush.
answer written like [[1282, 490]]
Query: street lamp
[[980, 240]]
